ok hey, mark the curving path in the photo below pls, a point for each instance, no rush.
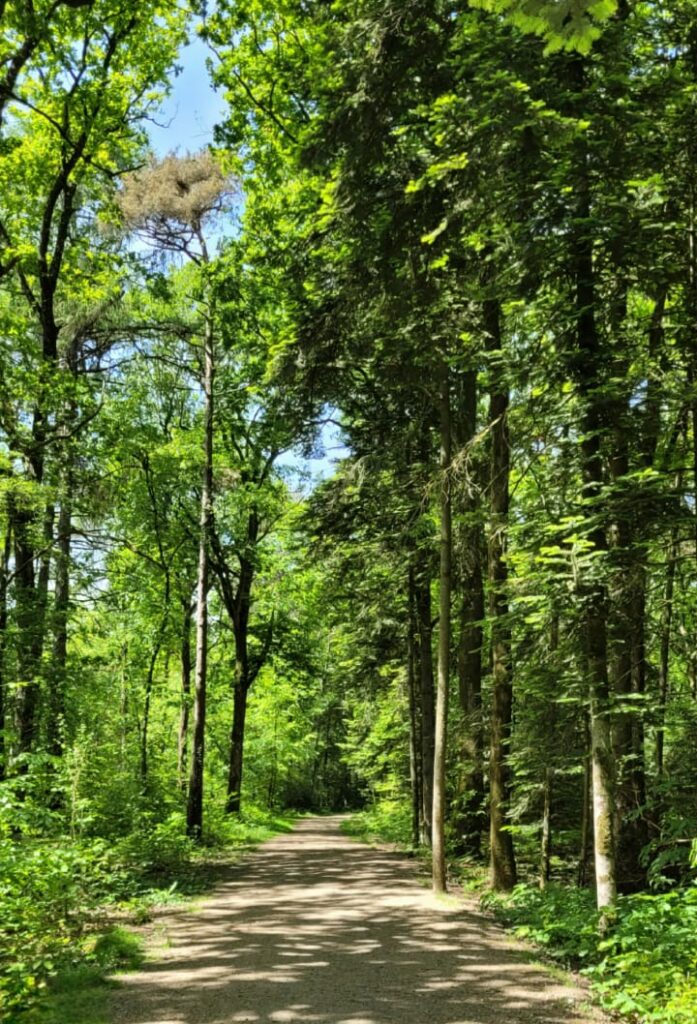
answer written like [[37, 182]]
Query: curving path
[[314, 927]]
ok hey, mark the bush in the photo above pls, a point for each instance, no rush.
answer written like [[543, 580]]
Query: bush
[[49, 889], [157, 848], [45, 894], [646, 967], [649, 962], [388, 821]]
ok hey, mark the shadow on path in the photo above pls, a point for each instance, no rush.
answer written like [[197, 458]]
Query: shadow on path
[[316, 928]]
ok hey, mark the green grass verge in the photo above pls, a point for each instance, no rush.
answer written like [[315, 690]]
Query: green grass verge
[[80, 994]]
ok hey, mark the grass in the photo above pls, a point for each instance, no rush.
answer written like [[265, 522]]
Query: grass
[[387, 822], [79, 992]]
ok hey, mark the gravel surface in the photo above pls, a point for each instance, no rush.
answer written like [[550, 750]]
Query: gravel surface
[[315, 927]]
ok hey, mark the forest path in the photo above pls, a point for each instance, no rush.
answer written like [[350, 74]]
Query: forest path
[[317, 928]]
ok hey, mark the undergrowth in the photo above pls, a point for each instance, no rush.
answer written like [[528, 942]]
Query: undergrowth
[[57, 897], [388, 822], [645, 967]]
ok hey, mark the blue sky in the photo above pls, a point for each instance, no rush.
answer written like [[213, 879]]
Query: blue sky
[[185, 123], [189, 115]]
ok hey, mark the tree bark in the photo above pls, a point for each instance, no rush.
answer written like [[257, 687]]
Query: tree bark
[[31, 595], [185, 664], [61, 602], [664, 664], [243, 675], [502, 856], [586, 817], [4, 574], [233, 803], [593, 592], [444, 631], [427, 694], [194, 809], [546, 834], [415, 774], [471, 817], [149, 681]]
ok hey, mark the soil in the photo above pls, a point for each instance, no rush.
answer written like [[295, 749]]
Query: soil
[[315, 927]]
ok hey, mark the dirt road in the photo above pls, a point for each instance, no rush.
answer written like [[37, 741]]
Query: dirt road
[[314, 927]]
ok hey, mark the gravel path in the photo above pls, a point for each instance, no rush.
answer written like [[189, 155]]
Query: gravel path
[[314, 927]]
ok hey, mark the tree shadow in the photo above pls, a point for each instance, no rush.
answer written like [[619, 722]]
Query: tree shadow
[[315, 928]]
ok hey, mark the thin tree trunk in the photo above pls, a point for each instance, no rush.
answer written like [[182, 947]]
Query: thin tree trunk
[[425, 658], [61, 601], [444, 631], [414, 737], [194, 809], [502, 856], [185, 663], [149, 681], [546, 835], [31, 595], [243, 674], [664, 665], [233, 804], [4, 574], [469, 655], [589, 375], [586, 817]]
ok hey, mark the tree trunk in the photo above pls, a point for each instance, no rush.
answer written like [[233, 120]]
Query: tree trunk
[[425, 659], [243, 674], [664, 665], [589, 373], [502, 857], [414, 735], [586, 818], [233, 804], [626, 665], [149, 680], [4, 574], [194, 809], [444, 630], [31, 594], [469, 656], [546, 835], [185, 663], [61, 601]]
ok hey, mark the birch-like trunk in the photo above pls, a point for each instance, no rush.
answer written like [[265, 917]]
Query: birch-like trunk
[[444, 630], [194, 809]]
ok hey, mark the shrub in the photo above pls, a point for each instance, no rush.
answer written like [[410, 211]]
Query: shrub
[[646, 967], [389, 821]]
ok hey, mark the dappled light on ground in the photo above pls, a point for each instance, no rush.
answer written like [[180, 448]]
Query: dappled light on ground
[[318, 929]]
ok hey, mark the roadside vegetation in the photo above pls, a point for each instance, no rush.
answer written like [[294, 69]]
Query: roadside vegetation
[[446, 250]]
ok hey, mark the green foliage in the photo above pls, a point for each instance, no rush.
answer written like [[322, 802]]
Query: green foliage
[[563, 24], [156, 848], [76, 995], [388, 821], [562, 920], [118, 948], [52, 892], [643, 967], [249, 828], [46, 893]]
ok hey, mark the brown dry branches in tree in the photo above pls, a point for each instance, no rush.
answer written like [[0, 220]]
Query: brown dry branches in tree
[[170, 201]]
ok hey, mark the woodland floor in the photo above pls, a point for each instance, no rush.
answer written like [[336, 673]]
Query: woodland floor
[[314, 927]]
